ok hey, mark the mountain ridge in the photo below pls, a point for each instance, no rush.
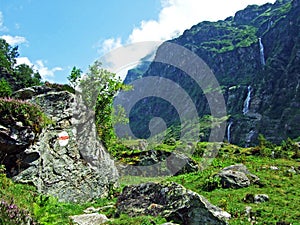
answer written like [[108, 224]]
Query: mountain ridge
[[233, 49]]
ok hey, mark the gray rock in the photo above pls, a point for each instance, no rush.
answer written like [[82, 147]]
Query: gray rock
[[30, 92], [292, 170], [233, 179], [94, 210], [14, 136], [169, 200], [274, 168], [25, 93], [159, 163], [237, 176], [248, 211], [89, 219], [141, 145], [180, 164], [259, 198], [74, 166]]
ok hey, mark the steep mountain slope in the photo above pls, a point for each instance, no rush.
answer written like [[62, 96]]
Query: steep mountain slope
[[255, 57]]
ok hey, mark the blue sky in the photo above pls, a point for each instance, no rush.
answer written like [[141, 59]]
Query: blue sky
[[55, 35]]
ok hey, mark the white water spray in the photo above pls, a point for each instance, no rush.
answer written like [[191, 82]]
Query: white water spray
[[247, 101], [262, 53]]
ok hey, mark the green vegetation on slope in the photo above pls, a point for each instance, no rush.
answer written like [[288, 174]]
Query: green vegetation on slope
[[279, 179], [25, 112]]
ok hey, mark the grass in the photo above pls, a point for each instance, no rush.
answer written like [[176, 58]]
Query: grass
[[280, 185]]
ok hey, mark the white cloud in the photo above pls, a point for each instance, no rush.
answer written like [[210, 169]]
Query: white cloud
[[24, 60], [45, 71], [110, 44], [39, 65], [2, 27], [176, 16], [14, 40], [179, 15]]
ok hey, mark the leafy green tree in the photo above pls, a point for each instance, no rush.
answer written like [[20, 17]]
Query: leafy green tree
[[37, 79], [5, 88], [98, 89], [26, 77], [8, 56], [22, 75], [74, 76]]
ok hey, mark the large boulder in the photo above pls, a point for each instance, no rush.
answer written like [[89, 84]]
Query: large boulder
[[158, 163], [69, 161], [237, 176], [169, 200]]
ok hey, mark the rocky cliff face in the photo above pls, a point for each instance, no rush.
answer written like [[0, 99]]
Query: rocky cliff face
[[66, 159], [255, 58]]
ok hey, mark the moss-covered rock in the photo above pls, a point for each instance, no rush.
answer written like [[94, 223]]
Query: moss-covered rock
[[171, 201]]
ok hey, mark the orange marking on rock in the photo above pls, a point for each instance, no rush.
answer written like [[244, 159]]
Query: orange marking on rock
[[62, 138]]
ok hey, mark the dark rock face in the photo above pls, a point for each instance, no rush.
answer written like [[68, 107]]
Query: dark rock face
[[232, 50], [62, 161], [237, 176], [171, 201], [14, 136]]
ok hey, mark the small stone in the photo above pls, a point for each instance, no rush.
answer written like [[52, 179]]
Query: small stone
[[259, 198], [89, 219], [274, 168], [19, 124], [292, 170], [248, 210], [94, 210], [91, 210]]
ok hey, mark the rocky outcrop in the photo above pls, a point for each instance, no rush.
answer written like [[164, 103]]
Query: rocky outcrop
[[67, 159], [237, 176], [171, 201], [158, 163]]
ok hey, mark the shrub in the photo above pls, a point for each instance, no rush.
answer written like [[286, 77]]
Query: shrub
[[27, 113], [5, 88], [11, 214]]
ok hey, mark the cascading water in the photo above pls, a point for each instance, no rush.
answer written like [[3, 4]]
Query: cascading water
[[247, 101], [262, 53], [229, 132], [270, 24]]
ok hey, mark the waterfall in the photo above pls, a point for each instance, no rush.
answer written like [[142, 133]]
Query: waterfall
[[247, 101], [249, 137], [262, 53], [270, 24], [228, 132]]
